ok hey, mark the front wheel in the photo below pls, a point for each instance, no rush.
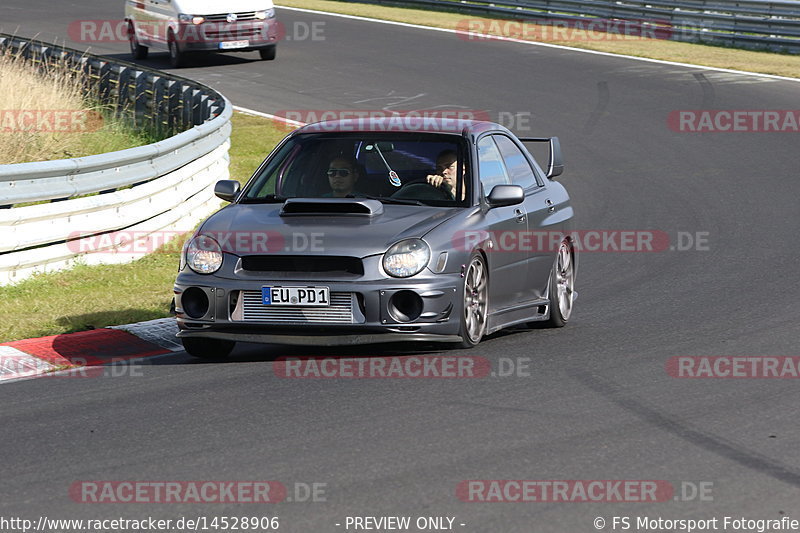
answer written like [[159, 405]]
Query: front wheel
[[476, 302], [268, 54], [137, 50], [562, 286], [207, 348], [176, 58]]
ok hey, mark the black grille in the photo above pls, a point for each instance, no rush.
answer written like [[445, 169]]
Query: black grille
[[303, 263], [222, 17]]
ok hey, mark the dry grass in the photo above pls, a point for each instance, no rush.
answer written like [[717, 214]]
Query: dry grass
[[44, 116], [698, 54]]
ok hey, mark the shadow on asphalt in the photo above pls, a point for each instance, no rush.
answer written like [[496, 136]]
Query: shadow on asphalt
[[246, 352], [160, 60]]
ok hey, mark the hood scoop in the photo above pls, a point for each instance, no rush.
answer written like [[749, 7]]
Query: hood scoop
[[331, 207]]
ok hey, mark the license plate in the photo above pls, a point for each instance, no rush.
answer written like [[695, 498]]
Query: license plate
[[297, 296], [232, 45]]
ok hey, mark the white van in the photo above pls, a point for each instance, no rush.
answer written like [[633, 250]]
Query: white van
[[185, 26]]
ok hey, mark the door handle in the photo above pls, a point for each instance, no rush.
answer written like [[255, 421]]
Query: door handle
[[520, 215]]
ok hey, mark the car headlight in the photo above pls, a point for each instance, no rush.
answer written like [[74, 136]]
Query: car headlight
[[266, 14], [193, 19], [203, 255], [406, 258], [183, 255]]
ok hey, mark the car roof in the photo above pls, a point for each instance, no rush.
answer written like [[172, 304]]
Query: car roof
[[403, 124]]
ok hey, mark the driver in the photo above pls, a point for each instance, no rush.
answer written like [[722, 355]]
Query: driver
[[446, 170], [342, 176]]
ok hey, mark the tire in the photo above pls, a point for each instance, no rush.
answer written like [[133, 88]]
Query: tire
[[137, 51], [562, 286], [207, 348], [176, 58], [475, 306], [268, 54]]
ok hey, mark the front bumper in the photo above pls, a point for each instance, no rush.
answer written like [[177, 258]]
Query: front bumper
[[208, 37], [374, 318], [319, 340]]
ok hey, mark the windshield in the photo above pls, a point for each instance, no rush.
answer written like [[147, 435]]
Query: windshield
[[410, 168]]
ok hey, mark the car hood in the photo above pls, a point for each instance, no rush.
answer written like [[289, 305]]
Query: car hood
[[252, 229], [214, 7]]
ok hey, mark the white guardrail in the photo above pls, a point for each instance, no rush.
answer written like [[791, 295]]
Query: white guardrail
[[144, 194]]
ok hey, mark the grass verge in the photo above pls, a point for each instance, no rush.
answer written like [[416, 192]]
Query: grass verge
[[51, 118], [698, 54], [88, 297]]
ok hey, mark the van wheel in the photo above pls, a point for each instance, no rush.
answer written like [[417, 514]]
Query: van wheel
[[176, 58], [138, 51], [268, 54]]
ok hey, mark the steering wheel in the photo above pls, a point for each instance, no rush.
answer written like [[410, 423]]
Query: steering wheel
[[421, 191]]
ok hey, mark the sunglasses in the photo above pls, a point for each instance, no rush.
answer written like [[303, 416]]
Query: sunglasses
[[341, 172], [442, 168]]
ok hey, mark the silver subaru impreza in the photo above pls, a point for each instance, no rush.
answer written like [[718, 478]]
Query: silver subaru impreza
[[366, 231]]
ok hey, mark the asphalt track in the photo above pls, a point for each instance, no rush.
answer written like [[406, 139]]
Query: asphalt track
[[598, 403]]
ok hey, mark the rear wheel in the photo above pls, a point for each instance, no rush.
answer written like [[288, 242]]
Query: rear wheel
[[476, 302], [137, 50], [207, 348], [268, 54], [562, 286]]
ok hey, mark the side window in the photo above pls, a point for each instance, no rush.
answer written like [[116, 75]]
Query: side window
[[490, 165], [518, 166]]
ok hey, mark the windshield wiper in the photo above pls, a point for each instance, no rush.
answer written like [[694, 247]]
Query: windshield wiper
[[388, 200], [268, 199]]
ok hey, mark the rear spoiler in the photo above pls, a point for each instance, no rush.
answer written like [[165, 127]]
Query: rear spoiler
[[556, 165]]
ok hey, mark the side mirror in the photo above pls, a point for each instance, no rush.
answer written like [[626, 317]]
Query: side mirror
[[503, 195], [226, 190]]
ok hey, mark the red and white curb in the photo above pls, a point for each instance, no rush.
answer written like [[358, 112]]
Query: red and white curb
[[45, 355]]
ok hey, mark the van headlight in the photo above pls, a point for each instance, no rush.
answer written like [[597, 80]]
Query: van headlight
[[406, 258], [203, 254], [266, 14], [190, 19]]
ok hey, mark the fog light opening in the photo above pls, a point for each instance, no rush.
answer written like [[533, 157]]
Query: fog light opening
[[405, 306], [194, 302]]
